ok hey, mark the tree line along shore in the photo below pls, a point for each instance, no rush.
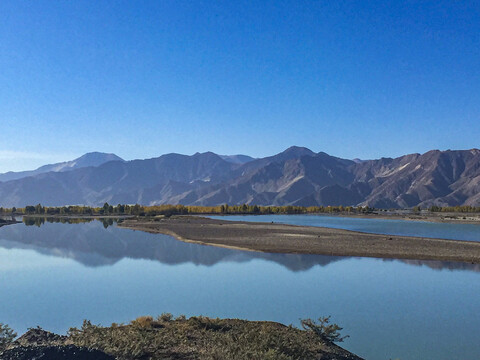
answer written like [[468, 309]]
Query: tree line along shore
[[243, 209]]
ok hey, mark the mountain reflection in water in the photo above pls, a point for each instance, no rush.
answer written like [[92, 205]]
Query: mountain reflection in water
[[98, 243]]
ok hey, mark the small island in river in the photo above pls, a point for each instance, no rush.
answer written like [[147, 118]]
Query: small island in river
[[280, 238]]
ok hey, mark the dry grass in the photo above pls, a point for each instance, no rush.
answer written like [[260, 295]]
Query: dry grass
[[205, 338]]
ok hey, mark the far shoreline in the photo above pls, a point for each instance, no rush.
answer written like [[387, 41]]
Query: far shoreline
[[434, 217]]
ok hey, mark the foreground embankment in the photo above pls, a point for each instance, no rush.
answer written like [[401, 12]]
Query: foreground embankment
[[279, 238], [198, 338]]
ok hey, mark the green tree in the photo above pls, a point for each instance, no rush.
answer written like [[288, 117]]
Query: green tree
[[106, 207], [39, 209], [29, 209], [121, 209]]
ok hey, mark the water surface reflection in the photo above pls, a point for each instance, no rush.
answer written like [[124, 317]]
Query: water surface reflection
[[98, 243], [391, 309]]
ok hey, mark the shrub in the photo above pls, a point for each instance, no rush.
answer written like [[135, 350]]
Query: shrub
[[165, 317], [181, 318], [143, 322], [7, 335], [324, 329]]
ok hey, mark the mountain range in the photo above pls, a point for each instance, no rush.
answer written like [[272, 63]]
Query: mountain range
[[296, 176]]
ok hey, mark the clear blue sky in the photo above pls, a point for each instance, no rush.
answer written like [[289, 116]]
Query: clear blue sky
[[143, 78]]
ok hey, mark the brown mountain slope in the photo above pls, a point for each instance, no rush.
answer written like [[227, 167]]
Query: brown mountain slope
[[296, 176]]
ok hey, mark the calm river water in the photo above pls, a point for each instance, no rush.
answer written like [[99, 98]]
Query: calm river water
[[56, 275], [452, 231]]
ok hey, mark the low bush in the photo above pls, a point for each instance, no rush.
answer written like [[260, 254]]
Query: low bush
[[143, 322], [324, 329], [7, 335]]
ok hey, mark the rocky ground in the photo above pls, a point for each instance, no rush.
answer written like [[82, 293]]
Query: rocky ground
[[59, 352]]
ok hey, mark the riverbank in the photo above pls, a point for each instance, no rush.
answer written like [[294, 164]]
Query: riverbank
[[198, 338], [279, 238]]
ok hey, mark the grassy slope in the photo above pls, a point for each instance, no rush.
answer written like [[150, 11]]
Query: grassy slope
[[195, 338]]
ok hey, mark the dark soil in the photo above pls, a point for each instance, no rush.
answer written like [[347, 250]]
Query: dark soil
[[39, 337], [59, 352]]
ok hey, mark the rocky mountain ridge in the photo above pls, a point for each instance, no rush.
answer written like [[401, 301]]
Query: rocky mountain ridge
[[296, 176]]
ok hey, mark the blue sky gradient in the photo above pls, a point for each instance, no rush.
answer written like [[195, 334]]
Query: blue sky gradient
[[354, 79]]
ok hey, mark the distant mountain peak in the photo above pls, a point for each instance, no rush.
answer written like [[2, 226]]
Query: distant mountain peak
[[298, 151], [98, 158], [86, 160], [98, 154], [89, 159], [293, 152], [206, 153]]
